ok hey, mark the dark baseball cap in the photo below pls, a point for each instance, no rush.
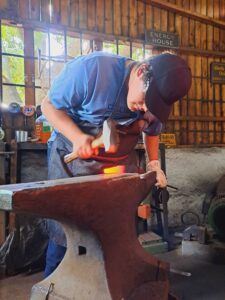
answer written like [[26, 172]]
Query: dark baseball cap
[[169, 81]]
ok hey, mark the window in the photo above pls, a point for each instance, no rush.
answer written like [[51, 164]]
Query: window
[[124, 50], [50, 58], [109, 47], [52, 51], [13, 77], [73, 47], [137, 53], [148, 53], [31, 75], [41, 43]]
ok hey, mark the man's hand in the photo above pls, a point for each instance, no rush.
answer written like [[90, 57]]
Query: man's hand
[[154, 165], [82, 146]]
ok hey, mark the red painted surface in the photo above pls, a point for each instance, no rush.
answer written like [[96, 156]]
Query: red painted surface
[[108, 207]]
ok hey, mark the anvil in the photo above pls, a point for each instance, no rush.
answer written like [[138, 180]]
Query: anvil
[[104, 259]]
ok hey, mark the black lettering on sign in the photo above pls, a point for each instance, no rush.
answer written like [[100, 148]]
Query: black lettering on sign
[[217, 72], [163, 39]]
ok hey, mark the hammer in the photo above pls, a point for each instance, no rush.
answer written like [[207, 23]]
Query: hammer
[[109, 139]]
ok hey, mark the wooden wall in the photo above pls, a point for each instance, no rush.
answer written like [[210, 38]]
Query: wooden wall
[[199, 119]]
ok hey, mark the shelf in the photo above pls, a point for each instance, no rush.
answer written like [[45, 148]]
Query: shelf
[[31, 146]]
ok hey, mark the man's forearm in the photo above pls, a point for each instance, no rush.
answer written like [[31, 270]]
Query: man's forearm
[[152, 149], [60, 120], [151, 146]]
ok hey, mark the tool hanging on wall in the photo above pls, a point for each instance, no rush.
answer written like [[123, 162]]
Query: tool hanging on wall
[[28, 111], [14, 108], [38, 111], [2, 134]]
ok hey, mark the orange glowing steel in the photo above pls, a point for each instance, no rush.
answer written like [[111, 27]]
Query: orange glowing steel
[[114, 170]]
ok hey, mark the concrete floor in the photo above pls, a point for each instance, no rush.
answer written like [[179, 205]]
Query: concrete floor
[[207, 280]]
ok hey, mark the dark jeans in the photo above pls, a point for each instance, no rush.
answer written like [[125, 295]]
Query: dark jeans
[[54, 256]]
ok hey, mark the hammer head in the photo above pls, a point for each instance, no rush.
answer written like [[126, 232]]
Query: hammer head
[[110, 136]]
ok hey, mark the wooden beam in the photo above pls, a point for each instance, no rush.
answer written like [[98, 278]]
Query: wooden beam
[[185, 12], [29, 66], [2, 181]]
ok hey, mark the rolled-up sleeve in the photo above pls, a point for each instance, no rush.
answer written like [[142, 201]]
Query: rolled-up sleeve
[[152, 126]]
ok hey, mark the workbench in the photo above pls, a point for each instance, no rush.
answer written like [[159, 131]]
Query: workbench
[[28, 147]]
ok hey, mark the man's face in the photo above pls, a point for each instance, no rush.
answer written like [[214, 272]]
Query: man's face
[[136, 91]]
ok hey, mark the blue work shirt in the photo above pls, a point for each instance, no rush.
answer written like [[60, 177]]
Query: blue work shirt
[[93, 87]]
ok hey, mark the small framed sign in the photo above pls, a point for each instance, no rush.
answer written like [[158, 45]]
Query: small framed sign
[[217, 72], [169, 139], [163, 39]]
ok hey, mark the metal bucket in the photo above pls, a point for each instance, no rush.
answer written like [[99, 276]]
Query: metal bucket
[[21, 136]]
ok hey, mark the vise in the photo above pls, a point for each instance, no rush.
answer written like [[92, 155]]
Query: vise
[[104, 259]]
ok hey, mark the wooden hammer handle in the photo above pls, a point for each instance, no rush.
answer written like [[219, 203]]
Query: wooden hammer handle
[[96, 143]]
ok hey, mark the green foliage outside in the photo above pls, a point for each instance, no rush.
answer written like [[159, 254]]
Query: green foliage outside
[[73, 47], [124, 50], [13, 67], [12, 40], [109, 47], [41, 42], [138, 54], [57, 46]]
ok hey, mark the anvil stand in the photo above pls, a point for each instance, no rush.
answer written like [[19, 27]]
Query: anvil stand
[[160, 197], [104, 259]]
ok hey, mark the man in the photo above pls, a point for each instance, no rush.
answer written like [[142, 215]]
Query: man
[[102, 86]]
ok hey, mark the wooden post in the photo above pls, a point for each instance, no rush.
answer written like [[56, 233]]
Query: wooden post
[[2, 181]]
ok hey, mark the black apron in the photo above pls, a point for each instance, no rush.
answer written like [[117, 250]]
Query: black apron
[[125, 156]]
